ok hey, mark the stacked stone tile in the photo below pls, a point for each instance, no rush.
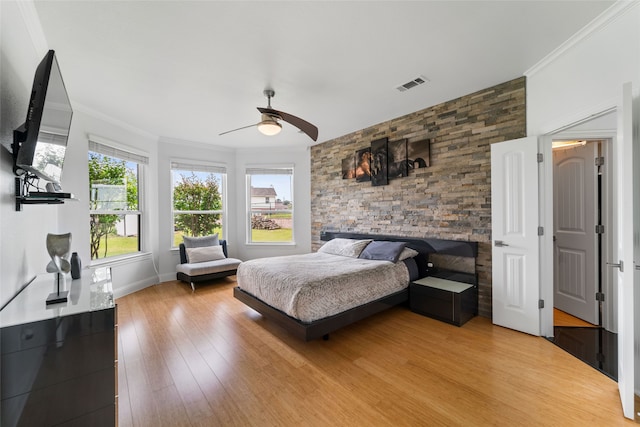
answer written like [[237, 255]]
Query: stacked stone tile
[[451, 199]]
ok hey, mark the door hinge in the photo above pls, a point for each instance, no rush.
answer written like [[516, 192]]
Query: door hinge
[[599, 229], [540, 303], [540, 231], [540, 157], [599, 296], [599, 161]]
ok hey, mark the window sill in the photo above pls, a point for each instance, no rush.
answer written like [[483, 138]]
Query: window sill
[[120, 259], [271, 244]]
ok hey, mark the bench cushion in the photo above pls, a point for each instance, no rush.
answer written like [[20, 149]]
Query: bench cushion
[[208, 267]]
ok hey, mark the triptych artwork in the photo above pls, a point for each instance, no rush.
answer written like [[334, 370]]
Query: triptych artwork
[[385, 160]]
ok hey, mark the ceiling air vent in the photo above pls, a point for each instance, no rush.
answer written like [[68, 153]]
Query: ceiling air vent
[[413, 83]]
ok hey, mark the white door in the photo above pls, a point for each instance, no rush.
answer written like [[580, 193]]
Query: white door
[[575, 243], [628, 227], [514, 228]]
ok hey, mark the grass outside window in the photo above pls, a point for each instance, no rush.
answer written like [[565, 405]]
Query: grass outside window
[[118, 245]]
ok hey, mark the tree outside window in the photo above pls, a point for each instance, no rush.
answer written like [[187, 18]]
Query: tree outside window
[[114, 203], [198, 202]]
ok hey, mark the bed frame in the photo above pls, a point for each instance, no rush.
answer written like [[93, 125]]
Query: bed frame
[[308, 331]]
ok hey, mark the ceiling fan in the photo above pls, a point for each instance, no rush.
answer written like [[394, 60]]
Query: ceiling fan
[[269, 124]]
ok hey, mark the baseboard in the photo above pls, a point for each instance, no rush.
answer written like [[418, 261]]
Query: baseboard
[[134, 287], [167, 277]]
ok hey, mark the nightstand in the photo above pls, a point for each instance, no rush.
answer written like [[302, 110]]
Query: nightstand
[[443, 299]]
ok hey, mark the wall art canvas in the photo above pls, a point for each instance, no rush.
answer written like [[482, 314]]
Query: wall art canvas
[[363, 165], [397, 159], [418, 154], [379, 162], [349, 167]]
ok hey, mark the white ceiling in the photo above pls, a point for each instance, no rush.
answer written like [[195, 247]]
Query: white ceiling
[[191, 70]]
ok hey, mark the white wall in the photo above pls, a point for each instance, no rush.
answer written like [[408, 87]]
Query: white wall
[[131, 274], [236, 162], [300, 158], [585, 75], [195, 152], [23, 252], [22, 234]]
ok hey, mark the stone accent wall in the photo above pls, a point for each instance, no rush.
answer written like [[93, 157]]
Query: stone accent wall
[[451, 199]]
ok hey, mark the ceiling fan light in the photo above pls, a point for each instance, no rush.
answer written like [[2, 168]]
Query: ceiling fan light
[[269, 127]]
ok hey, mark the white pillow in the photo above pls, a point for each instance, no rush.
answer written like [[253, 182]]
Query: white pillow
[[344, 247], [204, 254]]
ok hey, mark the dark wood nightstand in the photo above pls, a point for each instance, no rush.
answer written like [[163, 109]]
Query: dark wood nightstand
[[444, 299]]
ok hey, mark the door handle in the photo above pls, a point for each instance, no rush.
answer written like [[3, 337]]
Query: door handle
[[620, 265], [637, 267], [499, 244]]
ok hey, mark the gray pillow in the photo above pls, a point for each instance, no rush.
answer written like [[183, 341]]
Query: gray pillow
[[383, 251], [344, 247], [200, 242]]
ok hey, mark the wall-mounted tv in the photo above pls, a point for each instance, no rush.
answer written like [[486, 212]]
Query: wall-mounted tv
[[40, 143]]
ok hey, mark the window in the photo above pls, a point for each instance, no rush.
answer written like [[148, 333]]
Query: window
[[198, 204], [115, 210], [270, 201]]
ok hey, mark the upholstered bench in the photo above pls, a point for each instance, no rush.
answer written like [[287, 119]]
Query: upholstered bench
[[204, 270]]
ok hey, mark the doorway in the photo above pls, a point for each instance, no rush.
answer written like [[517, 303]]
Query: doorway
[[581, 237]]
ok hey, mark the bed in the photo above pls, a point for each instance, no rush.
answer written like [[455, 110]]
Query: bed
[[314, 294]]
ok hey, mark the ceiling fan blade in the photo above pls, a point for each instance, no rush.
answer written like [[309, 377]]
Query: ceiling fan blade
[[243, 127], [301, 124]]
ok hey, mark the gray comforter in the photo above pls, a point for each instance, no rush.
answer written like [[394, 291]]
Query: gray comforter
[[314, 286]]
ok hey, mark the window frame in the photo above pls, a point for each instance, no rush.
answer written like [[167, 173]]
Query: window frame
[[119, 151], [280, 169], [205, 167]]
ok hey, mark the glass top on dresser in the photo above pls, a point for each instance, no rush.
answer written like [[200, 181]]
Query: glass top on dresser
[[92, 292]]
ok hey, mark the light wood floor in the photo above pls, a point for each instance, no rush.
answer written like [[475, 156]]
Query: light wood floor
[[561, 318], [205, 359]]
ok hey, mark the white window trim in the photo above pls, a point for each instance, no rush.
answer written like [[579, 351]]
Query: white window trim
[[141, 158], [200, 166], [254, 169], [121, 259], [116, 145]]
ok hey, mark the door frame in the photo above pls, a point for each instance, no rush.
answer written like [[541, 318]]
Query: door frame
[[589, 152], [546, 217]]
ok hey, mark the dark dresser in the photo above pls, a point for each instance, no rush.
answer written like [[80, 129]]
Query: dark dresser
[[59, 362]]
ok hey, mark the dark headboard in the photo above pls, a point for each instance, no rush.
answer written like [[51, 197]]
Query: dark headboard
[[426, 245]]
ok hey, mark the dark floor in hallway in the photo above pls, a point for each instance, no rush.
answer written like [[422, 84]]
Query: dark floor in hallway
[[594, 346]]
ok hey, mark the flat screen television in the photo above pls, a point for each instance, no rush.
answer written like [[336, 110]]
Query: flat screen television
[[40, 143]]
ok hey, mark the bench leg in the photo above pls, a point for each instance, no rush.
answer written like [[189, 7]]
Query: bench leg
[[193, 286]]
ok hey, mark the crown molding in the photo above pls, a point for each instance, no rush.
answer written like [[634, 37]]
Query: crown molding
[[34, 26], [108, 119], [614, 12], [275, 149], [195, 144]]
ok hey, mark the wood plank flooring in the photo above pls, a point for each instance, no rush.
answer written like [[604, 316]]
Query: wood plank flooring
[[205, 359], [561, 318]]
